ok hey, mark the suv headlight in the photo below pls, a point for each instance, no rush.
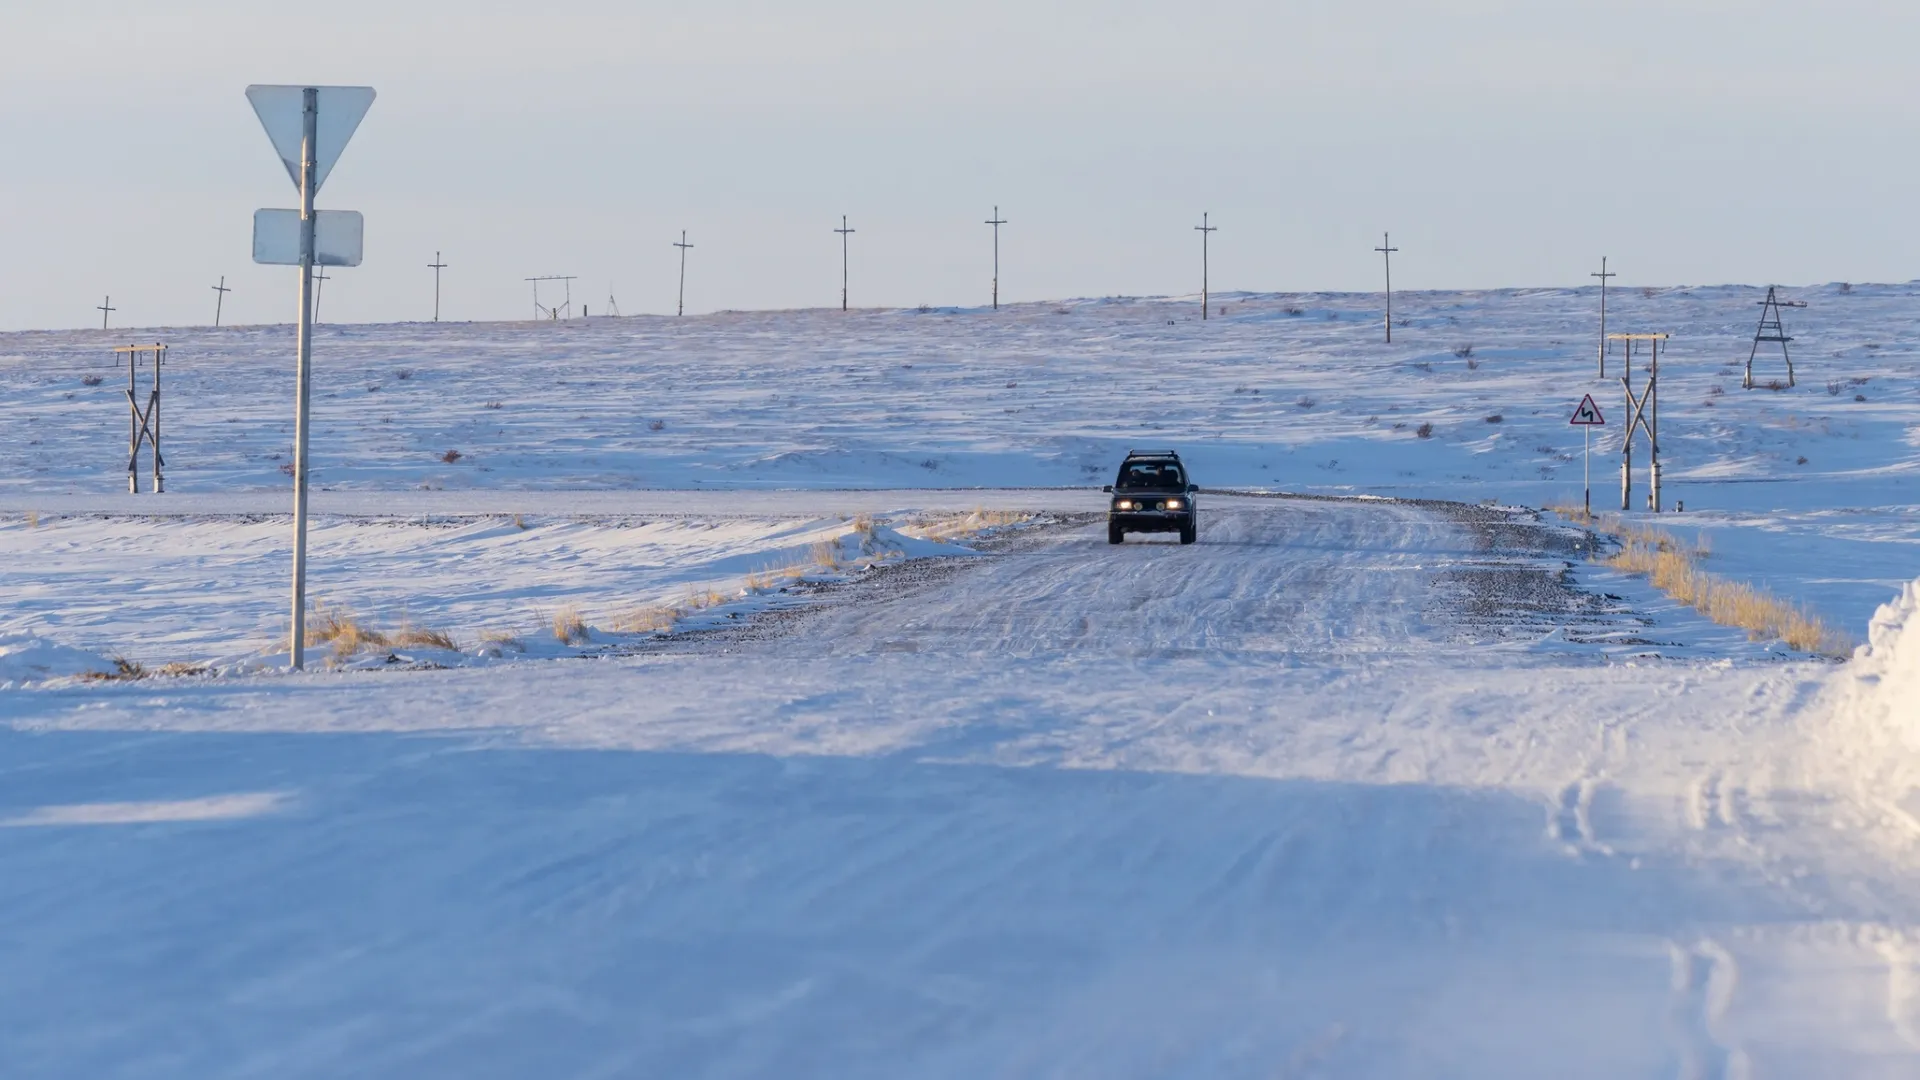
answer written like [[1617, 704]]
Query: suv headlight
[[1123, 504], [1176, 504]]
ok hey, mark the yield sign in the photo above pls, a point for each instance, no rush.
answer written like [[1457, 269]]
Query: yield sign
[[340, 111], [1588, 414]]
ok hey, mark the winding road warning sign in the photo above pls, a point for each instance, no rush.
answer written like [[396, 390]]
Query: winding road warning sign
[[1588, 414]]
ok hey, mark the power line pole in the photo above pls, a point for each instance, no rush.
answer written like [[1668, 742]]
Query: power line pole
[[1386, 249], [680, 305], [104, 309], [436, 266], [1603, 276], [844, 233], [1204, 229], [319, 286], [220, 296], [996, 221]]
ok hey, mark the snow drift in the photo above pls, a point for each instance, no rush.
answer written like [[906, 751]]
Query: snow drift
[[25, 658], [1886, 670]]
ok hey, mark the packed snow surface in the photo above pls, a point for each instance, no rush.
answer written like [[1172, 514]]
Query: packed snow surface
[[1383, 778]]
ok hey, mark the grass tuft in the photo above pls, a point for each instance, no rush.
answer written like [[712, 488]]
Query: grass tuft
[[338, 628], [569, 628], [423, 636], [1674, 568]]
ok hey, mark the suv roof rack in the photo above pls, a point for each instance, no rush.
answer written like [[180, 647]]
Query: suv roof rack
[[1152, 453]]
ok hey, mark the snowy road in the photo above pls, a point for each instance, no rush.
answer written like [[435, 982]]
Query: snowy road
[[1348, 789]]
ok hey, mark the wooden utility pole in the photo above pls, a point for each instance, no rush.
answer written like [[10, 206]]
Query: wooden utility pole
[[996, 221], [436, 266], [1387, 249], [104, 309], [1643, 413], [1203, 229], [220, 296], [143, 425], [680, 306], [844, 233], [1772, 331], [1603, 276]]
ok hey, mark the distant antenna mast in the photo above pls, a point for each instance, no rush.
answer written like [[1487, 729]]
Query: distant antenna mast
[[436, 266], [1603, 276], [104, 309], [1386, 249], [844, 233], [680, 305], [613, 307], [996, 221], [220, 295], [1771, 331], [1204, 229]]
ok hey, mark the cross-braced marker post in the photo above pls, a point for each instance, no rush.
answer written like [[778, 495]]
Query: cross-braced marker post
[[1387, 249], [996, 221], [319, 284], [438, 264], [1603, 275], [844, 233], [680, 305], [105, 309], [1203, 229], [220, 296]]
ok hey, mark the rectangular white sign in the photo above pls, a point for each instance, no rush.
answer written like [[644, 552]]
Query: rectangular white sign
[[337, 236]]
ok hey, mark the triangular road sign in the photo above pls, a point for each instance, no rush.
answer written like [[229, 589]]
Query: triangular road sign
[[341, 109], [1588, 414]]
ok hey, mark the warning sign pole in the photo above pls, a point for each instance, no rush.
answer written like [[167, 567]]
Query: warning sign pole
[[1586, 416]]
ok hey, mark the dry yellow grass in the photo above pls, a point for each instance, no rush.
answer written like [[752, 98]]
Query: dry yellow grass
[[825, 554], [423, 636], [1674, 568], [503, 640], [33, 519], [569, 627], [650, 619], [338, 628], [959, 526]]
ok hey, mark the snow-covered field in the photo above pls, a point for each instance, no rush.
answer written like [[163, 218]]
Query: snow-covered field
[[1370, 787]]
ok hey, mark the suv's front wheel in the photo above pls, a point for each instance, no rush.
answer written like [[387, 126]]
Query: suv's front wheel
[[1190, 531], [1115, 534]]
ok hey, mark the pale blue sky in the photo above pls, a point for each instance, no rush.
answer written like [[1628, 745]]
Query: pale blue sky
[[1505, 142]]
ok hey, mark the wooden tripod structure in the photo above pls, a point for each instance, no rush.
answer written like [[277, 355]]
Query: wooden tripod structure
[[1643, 413], [143, 424], [1771, 331]]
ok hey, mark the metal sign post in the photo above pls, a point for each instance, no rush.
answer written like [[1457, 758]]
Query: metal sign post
[[308, 145], [1586, 417]]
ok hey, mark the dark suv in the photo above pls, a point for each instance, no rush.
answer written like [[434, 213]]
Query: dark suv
[[1152, 495]]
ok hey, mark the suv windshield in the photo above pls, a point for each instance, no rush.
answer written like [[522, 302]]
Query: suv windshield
[[1151, 476]]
